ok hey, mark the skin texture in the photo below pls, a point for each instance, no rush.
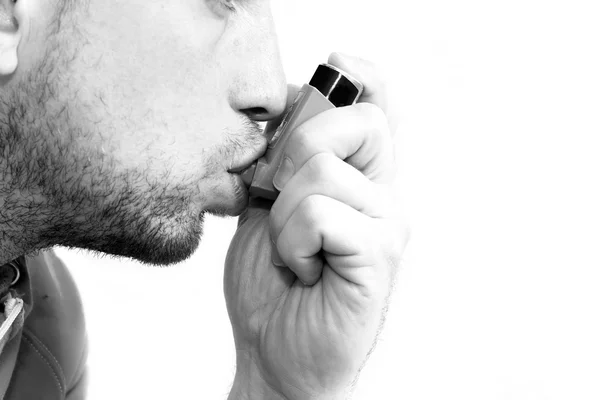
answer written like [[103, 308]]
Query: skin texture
[[122, 119]]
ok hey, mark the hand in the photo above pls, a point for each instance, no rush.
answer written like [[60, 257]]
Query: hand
[[307, 280]]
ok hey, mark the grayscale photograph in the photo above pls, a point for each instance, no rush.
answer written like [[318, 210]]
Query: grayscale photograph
[[299, 200]]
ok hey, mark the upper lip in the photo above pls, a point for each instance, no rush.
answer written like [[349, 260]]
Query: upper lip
[[245, 160]]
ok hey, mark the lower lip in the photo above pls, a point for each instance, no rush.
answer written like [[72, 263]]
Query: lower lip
[[240, 192]]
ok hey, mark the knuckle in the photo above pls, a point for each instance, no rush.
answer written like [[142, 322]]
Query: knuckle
[[300, 139], [375, 116], [311, 209], [301, 134], [371, 111], [321, 168]]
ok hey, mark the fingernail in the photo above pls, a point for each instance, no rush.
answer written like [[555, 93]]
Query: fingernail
[[284, 173], [275, 259]]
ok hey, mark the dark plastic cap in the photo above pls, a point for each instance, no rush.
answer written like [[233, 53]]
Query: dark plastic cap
[[337, 86]]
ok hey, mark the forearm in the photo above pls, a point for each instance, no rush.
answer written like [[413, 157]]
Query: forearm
[[249, 383]]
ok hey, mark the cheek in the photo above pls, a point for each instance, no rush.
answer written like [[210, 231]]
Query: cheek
[[147, 87], [157, 56], [160, 131], [176, 120]]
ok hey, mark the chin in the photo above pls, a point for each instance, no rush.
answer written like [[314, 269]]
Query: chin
[[173, 251], [163, 245]]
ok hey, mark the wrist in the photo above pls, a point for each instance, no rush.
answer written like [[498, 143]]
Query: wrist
[[249, 383]]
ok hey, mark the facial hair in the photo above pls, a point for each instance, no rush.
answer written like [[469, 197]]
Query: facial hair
[[54, 191]]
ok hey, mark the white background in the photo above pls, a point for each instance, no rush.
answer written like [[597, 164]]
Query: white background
[[499, 295]]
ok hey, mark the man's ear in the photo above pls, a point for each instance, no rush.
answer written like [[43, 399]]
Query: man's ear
[[10, 36]]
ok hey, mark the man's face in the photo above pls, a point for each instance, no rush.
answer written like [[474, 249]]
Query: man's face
[[124, 117]]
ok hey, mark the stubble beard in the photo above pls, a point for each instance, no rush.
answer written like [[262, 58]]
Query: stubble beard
[[55, 192]]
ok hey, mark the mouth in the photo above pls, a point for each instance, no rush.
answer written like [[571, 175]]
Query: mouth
[[249, 162], [244, 165]]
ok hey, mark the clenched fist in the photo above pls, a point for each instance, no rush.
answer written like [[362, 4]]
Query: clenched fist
[[308, 277]]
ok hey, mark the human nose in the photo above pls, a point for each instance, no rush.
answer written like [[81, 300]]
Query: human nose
[[258, 87]]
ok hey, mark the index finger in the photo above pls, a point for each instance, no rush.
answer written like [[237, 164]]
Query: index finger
[[376, 85]]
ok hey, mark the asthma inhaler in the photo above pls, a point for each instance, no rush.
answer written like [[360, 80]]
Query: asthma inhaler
[[329, 88]]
